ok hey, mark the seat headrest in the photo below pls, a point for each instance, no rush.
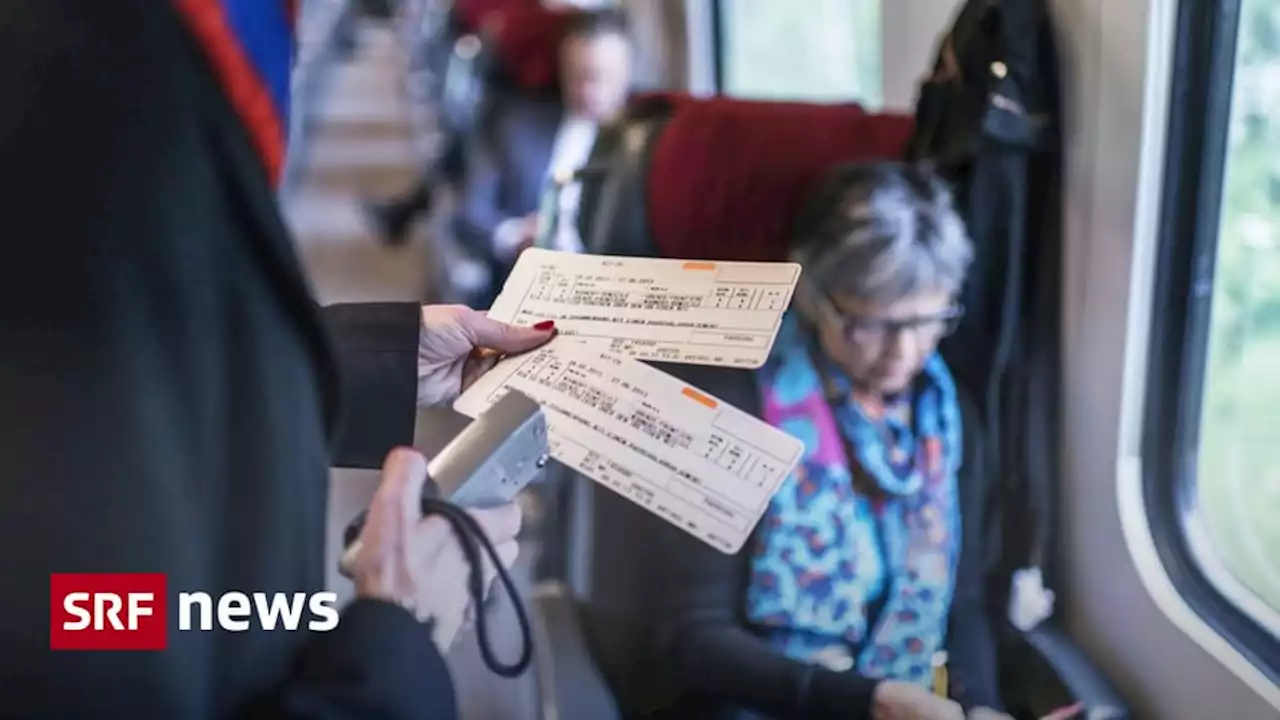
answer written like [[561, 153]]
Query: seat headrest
[[728, 176], [474, 15], [526, 41]]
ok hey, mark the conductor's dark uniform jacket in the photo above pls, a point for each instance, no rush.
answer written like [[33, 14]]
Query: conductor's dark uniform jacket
[[168, 389]]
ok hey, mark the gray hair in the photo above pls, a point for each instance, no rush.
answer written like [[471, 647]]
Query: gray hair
[[881, 232]]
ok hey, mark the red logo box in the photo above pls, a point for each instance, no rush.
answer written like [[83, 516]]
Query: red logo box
[[108, 611]]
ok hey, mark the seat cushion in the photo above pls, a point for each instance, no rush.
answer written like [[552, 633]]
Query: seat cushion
[[727, 176]]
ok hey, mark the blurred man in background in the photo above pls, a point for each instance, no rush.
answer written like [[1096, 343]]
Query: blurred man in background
[[534, 140], [392, 219]]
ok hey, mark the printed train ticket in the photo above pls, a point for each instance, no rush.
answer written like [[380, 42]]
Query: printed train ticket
[[680, 311], [684, 455]]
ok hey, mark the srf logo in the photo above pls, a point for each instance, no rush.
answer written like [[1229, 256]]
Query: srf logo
[[128, 611], [108, 611]]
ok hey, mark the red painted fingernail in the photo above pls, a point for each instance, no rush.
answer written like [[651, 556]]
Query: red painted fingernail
[[545, 325]]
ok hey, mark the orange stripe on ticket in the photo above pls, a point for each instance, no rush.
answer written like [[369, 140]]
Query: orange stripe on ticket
[[699, 266], [699, 397]]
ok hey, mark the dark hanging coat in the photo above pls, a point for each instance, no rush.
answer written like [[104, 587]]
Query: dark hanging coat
[[989, 117]]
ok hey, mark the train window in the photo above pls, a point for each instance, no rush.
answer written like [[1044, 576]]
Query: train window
[[1212, 448], [813, 51], [1238, 477]]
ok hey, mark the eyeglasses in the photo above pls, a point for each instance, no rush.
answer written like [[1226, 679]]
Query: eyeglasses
[[874, 332], [871, 331]]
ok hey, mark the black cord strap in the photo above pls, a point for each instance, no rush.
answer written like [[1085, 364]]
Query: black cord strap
[[471, 538]]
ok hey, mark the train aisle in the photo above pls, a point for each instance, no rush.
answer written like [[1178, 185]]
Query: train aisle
[[358, 142]]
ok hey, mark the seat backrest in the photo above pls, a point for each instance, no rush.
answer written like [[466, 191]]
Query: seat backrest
[[525, 41], [490, 51], [474, 15], [727, 176], [612, 212], [720, 178]]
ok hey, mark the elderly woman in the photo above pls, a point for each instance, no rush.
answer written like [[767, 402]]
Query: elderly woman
[[857, 578]]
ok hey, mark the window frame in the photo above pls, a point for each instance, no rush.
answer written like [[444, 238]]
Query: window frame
[[718, 45], [1192, 200]]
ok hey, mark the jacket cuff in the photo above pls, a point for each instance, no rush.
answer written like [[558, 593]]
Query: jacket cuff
[[377, 349]]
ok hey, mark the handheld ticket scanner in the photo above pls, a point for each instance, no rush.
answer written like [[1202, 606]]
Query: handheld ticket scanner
[[486, 464]]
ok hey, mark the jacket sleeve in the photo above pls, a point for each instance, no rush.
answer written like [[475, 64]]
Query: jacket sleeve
[[379, 662], [706, 646], [376, 346]]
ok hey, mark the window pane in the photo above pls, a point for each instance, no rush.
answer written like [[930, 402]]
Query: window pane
[[1238, 479], [811, 50]]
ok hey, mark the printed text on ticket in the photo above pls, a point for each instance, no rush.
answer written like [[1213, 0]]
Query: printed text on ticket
[[678, 311]]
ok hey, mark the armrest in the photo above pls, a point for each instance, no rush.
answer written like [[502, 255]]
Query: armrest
[[1071, 676], [570, 687]]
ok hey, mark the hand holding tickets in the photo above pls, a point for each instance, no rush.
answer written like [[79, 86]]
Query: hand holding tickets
[[684, 311]]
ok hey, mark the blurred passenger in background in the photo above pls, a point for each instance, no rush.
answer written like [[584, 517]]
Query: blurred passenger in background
[[534, 140], [392, 219], [857, 576]]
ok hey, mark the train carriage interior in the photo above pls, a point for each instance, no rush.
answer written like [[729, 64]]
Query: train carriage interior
[[1116, 168]]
